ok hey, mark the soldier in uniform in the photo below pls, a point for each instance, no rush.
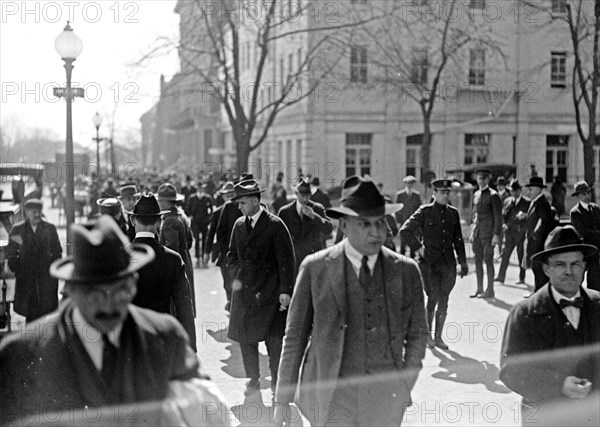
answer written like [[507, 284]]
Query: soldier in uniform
[[306, 221], [514, 230], [261, 261], [411, 199], [175, 232], [439, 225], [487, 224]]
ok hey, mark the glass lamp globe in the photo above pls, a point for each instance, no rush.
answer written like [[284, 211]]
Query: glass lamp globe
[[68, 44]]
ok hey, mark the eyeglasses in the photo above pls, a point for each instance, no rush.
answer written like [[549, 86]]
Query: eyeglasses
[[561, 267], [122, 293]]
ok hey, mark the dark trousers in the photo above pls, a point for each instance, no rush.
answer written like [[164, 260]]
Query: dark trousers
[[199, 228], [513, 240], [593, 273], [227, 281], [484, 253], [439, 279], [251, 360]]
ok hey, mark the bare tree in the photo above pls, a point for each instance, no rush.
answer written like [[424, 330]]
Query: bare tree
[[419, 43], [219, 36]]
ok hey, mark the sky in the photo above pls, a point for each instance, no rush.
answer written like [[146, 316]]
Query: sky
[[115, 34]]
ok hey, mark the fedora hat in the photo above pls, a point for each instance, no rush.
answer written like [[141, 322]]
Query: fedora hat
[[168, 192], [303, 186], [227, 188], [109, 206], [363, 199], [581, 187], [246, 188], [147, 205], [564, 239], [102, 255], [129, 190], [536, 181], [515, 185]]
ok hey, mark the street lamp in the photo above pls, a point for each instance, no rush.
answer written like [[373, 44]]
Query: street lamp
[[68, 46], [97, 121]]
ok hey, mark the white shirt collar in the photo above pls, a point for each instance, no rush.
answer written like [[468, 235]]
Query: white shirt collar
[[144, 234], [517, 200], [558, 296], [585, 205], [256, 216], [355, 257], [91, 338], [484, 188], [539, 195], [299, 208]]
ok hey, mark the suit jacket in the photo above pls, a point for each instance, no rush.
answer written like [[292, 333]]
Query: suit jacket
[[52, 371], [535, 359], [314, 336], [587, 222], [514, 226], [320, 197], [307, 234], [218, 251], [263, 261], [36, 292], [199, 208], [411, 204], [540, 222], [164, 281], [229, 215], [487, 213], [175, 234], [441, 234]]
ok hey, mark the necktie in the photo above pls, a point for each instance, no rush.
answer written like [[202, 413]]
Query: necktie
[[577, 302], [109, 360], [364, 275], [249, 224]]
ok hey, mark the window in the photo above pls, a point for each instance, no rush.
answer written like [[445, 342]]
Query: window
[[477, 4], [477, 148], [557, 157], [559, 7], [558, 69], [291, 63], [300, 60], [358, 64], [419, 67], [413, 155], [281, 75], [208, 142], [358, 153], [477, 67], [299, 153]]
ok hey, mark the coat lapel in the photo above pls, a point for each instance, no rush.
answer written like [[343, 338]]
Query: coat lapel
[[336, 275], [261, 224], [393, 289]]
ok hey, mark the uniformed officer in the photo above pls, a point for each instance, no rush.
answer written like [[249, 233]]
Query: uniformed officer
[[439, 225]]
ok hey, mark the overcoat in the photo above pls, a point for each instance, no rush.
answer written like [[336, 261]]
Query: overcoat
[[314, 339], [36, 292], [264, 263], [540, 222], [411, 203]]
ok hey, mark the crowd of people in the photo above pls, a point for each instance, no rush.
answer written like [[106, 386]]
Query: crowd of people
[[346, 324]]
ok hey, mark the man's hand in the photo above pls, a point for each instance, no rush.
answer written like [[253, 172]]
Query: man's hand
[[284, 300], [576, 388], [282, 414], [495, 240], [308, 211], [464, 270], [421, 252]]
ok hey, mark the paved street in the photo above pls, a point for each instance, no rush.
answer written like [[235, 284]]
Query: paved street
[[459, 386]]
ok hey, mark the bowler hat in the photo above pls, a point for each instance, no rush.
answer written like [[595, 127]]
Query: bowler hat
[[147, 206], [109, 206], [102, 255], [442, 184], [363, 199], [168, 192], [32, 204], [536, 181], [409, 178], [515, 185], [127, 191], [246, 188], [303, 186], [581, 187], [564, 239]]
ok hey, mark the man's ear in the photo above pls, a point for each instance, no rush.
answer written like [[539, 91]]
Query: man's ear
[[546, 269], [343, 224]]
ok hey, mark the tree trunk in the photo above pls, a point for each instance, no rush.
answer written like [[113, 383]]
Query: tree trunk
[[242, 146], [588, 153], [426, 143]]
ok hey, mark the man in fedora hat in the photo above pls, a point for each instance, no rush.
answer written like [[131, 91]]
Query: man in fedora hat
[[96, 349], [317, 195], [112, 206], [487, 226], [163, 281], [200, 209], [306, 221], [32, 246], [439, 225], [411, 199], [513, 215], [128, 195], [539, 221], [551, 344], [218, 250], [175, 232], [356, 324], [585, 217], [261, 262]]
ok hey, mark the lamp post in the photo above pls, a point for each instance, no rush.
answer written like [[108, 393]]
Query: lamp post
[[97, 121], [68, 46]]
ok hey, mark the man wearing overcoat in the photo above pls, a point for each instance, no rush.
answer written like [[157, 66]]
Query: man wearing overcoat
[[356, 326], [306, 221], [261, 261], [551, 344], [585, 217]]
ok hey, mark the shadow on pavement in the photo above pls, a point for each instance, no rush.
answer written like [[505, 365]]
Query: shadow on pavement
[[466, 370], [499, 303], [253, 412]]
